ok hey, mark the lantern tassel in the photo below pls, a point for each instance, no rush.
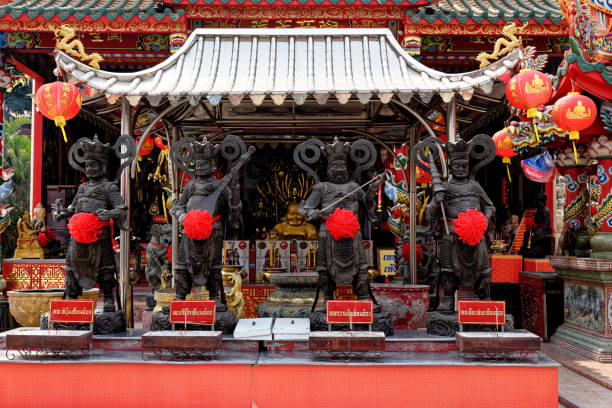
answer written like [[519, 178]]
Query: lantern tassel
[[535, 130], [61, 122], [508, 170], [573, 136]]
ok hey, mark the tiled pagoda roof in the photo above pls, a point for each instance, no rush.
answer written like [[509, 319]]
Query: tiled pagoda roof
[[488, 11], [91, 10]]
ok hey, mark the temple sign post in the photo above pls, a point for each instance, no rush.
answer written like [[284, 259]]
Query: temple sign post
[[124, 244]]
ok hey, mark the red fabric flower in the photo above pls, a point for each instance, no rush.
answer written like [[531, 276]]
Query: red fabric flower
[[342, 223], [85, 227], [42, 239], [406, 252], [471, 226], [198, 224], [397, 213]]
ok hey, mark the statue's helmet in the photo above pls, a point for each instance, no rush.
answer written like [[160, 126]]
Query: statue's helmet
[[204, 155], [95, 150], [459, 150], [336, 151]]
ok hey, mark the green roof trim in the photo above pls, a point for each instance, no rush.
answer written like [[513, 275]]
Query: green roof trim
[[493, 11], [96, 9], [585, 66]]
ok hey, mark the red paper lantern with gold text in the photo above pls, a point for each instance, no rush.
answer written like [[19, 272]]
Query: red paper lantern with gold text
[[147, 146], [59, 101], [528, 90], [505, 150], [573, 113]]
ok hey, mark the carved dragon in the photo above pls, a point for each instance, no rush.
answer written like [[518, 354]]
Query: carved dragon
[[64, 35], [510, 31]]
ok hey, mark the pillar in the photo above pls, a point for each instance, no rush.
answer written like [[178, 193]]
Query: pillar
[[601, 242], [576, 195]]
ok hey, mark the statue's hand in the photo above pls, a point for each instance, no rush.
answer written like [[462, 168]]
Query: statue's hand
[[314, 214], [439, 197], [181, 218], [103, 214]]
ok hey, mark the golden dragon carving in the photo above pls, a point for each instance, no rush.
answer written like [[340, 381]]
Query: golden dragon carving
[[510, 31], [75, 47]]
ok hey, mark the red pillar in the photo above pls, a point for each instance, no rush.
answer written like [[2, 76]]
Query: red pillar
[[36, 141]]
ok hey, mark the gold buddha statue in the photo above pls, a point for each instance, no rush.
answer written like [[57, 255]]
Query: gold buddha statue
[[294, 226], [27, 240]]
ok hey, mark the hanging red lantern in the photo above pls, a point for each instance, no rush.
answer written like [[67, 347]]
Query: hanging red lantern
[[505, 150], [528, 90], [147, 146], [59, 101], [159, 142], [573, 113]]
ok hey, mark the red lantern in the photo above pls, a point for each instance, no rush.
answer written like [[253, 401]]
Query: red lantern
[[503, 142], [59, 101], [147, 146], [159, 142], [528, 90], [574, 112]]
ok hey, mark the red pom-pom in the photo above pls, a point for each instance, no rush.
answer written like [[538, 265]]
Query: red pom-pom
[[342, 223], [198, 224], [85, 227], [471, 226], [406, 252], [42, 239], [50, 234]]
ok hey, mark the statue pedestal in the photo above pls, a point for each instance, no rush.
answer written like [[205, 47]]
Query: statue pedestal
[[443, 324], [293, 296], [104, 323], [587, 306], [225, 320]]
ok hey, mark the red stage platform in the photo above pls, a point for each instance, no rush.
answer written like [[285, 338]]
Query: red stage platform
[[241, 376]]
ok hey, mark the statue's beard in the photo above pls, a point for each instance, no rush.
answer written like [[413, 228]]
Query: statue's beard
[[339, 178]]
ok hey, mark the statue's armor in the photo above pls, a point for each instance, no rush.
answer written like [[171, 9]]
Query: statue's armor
[[89, 263], [201, 259], [344, 260], [461, 263]]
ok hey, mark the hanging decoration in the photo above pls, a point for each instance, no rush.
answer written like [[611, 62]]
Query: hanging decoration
[[505, 149], [147, 146], [85, 227], [342, 223], [198, 224], [159, 142], [539, 168], [470, 226], [59, 101], [573, 113], [528, 90]]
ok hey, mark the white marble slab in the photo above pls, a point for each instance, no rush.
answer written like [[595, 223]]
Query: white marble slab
[[254, 329], [291, 329]]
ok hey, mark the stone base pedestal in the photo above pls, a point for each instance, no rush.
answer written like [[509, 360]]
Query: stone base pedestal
[[225, 321], [293, 296], [593, 347], [587, 306], [442, 324], [104, 323], [601, 244], [383, 322]]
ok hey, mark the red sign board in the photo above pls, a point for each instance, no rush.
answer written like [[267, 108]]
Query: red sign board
[[71, 311], [192, 312], [482, 312], [350, 311]]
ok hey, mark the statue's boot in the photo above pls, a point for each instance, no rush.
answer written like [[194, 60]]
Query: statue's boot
[[109, 299], [447, 305]]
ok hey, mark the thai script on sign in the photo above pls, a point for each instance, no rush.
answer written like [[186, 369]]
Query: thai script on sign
[[482, 312], [350, 312], [71, 311], [192, 312]]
